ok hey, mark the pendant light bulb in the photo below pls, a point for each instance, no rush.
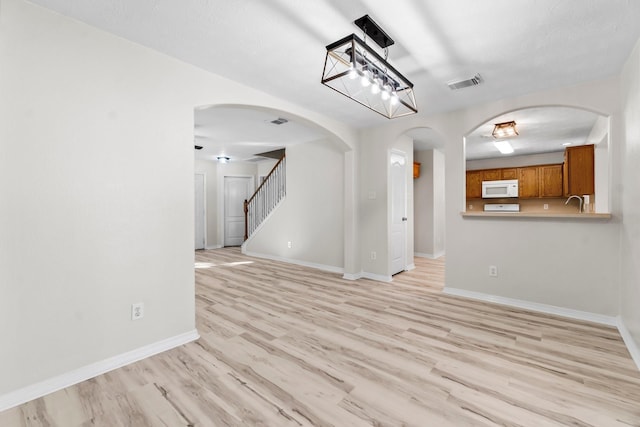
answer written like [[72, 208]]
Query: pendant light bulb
[[365, 80]]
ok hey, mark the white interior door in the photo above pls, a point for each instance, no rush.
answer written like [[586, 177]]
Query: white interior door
[[199, 211], [398, 211], [236, 191]]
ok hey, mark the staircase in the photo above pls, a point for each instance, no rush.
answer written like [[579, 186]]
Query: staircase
[[266, 198]]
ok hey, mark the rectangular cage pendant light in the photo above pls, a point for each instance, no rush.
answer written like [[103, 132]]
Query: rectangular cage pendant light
[[360, 73]]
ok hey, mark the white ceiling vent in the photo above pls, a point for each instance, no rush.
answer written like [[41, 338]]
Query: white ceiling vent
[[279, 121], [461, 84]]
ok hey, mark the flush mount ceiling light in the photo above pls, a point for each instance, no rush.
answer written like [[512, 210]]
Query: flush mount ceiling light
[[223, 159], [504, 130], [354, 69], [279, 121]]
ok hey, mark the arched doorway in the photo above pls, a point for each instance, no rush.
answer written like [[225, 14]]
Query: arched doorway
[[546, 136], [242, 132]]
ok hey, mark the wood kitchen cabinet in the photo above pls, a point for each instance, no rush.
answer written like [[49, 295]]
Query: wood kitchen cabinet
[[509, 173], [533, 181], [416, 169], [474, 184], [550, 181], [528, 184], [492, 174], [578, 174]]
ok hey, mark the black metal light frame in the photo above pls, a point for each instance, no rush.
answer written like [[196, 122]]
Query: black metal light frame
[[355, 70]]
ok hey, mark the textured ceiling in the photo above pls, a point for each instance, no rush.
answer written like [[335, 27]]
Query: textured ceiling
[[278, 46], [541, 130], [240, 133]]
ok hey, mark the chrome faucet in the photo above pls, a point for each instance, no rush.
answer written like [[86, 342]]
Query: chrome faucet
[[577, 197]]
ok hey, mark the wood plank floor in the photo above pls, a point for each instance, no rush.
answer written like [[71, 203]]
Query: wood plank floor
[[284, 345]]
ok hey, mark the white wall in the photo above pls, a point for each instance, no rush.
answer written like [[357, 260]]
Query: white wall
[[429, 195], [210, 169], [516, 161], [96, 177], [567, 263], [264, 167], [439, 203], [372, 200], [629, 191], [423, 206], [311, 216]]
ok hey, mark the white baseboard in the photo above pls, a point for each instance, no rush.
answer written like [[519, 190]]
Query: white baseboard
[[410, 267], [430, 256], [534, 306], [376, 277], [364, 275], [76, 376], [631, 344], [329, 268], [213, 247]]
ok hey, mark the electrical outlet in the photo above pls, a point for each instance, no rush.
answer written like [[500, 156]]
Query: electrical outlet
[[545, 206], [137, 311], [493, 271], [373, 255], [289, 245], [470, 207]]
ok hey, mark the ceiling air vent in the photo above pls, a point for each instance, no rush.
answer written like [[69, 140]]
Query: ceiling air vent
[[279, 121], [461, 84]]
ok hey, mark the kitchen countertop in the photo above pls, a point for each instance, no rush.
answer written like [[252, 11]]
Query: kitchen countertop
[[576, 215]]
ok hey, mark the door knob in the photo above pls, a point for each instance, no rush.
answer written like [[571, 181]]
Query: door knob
[[404, 218]]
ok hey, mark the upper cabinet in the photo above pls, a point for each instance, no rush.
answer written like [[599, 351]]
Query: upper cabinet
[[509, 173], [492, 174], [550, 178], [474, 184], [533, 181], [528, 182], [579, 170]]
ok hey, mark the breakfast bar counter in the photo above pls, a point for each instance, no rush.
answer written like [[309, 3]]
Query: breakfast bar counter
[[576, 215]]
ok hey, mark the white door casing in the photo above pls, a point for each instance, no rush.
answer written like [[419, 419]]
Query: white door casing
[[199, 211], [236, 191], [398, 240]]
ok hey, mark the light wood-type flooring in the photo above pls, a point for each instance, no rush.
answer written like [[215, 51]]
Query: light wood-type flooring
[[283, 345]]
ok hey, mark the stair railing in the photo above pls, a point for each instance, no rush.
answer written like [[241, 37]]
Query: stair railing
[[266, 198]]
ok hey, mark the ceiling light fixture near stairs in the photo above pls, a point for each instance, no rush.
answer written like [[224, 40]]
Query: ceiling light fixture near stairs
[[279, 121], [354, 69]]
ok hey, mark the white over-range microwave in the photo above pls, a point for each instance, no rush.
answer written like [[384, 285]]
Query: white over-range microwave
[[499, 189]]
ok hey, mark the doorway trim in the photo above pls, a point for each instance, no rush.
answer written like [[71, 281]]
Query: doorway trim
[[404, 222], [204, 203], [220, 222]]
